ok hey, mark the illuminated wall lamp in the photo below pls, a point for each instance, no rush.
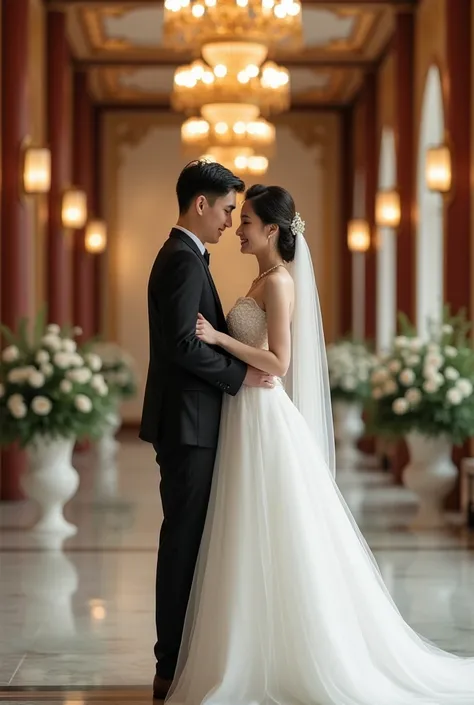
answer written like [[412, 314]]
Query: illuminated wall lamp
[[74, 209], [96, 236], [387, 209], [438, 171], [358, 235], [36, 170]]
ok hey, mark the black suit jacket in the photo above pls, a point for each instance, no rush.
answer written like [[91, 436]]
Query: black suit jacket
[[186, 378]]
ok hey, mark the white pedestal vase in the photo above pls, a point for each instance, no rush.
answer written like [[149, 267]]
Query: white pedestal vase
[[431, 475], [51, 481], [107, 445], [348, 429]]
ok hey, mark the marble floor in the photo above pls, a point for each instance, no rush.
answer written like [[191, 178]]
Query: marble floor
[[76, 621]]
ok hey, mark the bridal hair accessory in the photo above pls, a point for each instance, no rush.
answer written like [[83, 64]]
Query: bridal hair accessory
[[297, 225]]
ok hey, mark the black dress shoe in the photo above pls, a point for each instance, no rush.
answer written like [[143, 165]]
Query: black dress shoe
[[161, 687]]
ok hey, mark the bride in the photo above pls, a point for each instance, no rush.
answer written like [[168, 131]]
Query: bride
[[288, 606]]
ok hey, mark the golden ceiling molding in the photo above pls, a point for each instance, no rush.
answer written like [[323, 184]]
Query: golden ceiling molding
[[93, 20], [363, 25], [327, 93], [114, 90]]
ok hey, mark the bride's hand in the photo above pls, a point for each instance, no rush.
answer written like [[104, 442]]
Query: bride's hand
[[205, 332]]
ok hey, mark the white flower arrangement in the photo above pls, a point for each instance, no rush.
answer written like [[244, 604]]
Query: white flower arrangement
[[426, 386], [350, 365], [117, 367], [48, 387]]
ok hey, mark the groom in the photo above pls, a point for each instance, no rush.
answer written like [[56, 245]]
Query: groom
[[184, 390]]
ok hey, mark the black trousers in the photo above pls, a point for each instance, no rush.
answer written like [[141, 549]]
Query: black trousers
[[186, 478]]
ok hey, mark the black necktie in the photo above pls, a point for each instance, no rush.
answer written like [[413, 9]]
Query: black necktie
[[207, 256]]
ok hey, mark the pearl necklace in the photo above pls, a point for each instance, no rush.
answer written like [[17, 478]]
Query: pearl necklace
[[264, 274]]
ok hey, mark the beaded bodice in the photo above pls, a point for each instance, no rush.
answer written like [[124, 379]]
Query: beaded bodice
[[247, 322]]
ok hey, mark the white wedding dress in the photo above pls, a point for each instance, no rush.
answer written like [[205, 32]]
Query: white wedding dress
[[288, 606]]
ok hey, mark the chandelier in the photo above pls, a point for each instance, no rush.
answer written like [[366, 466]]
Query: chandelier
[[232, 87], [222, 129], [193, 23], [230, 70], [242, 160]]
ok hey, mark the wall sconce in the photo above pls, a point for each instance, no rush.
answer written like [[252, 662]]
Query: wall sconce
[[438, 169], [387, 209], [96, 236], [358, 235], [36, 170], [74, 209]]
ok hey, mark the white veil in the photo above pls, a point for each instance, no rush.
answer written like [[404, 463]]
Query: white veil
[[307, 379]]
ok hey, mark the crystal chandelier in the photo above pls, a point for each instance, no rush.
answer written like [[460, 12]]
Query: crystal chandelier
[[193, 23], [241, 160], [232, 87], [232, 69], [225, 131]]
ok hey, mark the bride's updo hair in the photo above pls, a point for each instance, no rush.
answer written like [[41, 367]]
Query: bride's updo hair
[[275, 206]]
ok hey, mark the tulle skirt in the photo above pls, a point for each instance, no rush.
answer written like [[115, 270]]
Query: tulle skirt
[[288, 606]]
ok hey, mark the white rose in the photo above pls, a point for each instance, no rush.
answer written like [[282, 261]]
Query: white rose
[[447, 329], [2, 390], [400, 406], [413, 360], [81, 376], [36, 379], [407, 377], [62, 360], [42, 356], [83, 403], [450, 351], [69, 345], [431, 386], [10, 354], [94, 362], [77, 330], [41, 406], [413, 396], [54, 329], [395, 366], [434, 360], [19, 411], [348, 383], [379, 375], [97, 382], [416, 344], [464, 386], [16, 405], [430, 372], [377, 393], [401, 341], [454, 396], [47, 369], [77, 360], [52, 341], [17, 375], [389, 387], [433, 348], [65, 386], [451, 373]]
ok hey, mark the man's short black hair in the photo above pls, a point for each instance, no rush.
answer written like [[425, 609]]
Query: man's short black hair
[[209, 179]]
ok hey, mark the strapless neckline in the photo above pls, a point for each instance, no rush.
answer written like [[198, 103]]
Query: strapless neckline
[[250, 298]]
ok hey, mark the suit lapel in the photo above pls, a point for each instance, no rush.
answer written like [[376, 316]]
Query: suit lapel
[[192, 245]]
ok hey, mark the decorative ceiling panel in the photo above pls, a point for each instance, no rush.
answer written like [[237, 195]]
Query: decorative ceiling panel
[[123, 47]]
